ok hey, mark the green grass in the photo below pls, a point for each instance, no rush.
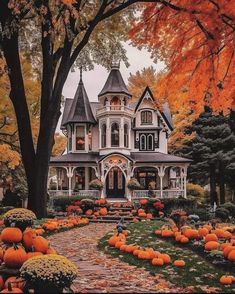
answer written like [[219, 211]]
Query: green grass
[[197, 272]]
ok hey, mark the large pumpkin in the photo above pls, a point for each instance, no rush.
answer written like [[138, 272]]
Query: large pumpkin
[[227, 250], [103, 211], [226, 280], [144, 255], [202, 232], [14, 257], [10, 289], [11, 235], [191, 234], [40, 244], [167, 233]]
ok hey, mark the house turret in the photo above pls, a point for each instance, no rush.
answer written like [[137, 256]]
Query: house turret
[[78, 121], [115, 115]]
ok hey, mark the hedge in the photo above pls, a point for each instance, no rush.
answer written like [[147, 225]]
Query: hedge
[[179, 203], [63, 201]]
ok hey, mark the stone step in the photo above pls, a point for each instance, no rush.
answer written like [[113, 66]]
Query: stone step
[[113, 208], [110, 217]]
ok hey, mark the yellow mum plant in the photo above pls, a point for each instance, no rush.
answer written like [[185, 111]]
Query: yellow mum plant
[[48, 270], [19, 216]]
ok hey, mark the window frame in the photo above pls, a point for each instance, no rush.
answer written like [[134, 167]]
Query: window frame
[[144, 117], [112, 134]]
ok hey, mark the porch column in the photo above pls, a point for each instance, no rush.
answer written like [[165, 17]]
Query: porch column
[[161, 173], [87, 178], [108, 133], [185, 181], [121, 134], [102, 178], [70, 175]]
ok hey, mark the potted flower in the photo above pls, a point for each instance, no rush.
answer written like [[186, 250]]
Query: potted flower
[[19, 217], [133, 184], [48, 273], [96, 184]]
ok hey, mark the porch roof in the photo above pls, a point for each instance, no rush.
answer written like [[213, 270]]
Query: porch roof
[[91, 157], [157, 157]]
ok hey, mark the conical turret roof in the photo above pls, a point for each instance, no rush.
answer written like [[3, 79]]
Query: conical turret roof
[[114, 83]]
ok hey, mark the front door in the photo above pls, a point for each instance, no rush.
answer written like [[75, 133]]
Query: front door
[[115, 183]]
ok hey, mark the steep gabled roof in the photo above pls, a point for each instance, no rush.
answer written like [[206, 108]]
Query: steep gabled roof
[[79, 109], [166, 114], [115, 83]]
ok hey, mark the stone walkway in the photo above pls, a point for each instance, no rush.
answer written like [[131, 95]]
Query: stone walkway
[[99, 273]]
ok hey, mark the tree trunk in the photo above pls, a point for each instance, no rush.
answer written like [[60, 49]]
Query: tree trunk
[[213, 193], [221, 183]]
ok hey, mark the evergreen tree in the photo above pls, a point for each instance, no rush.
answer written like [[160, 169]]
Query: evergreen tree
[[213, 152]]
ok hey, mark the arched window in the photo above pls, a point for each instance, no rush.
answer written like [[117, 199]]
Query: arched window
[[103, 136], [115, 103], [115, 135], [150, 142], [146, 117], [126, 136], [143, 142]]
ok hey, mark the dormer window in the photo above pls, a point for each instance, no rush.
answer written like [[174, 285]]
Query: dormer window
[[146, 117], [115, 103], [80, 138]]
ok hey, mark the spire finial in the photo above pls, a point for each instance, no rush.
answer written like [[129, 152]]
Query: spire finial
[[80, 74], [115, 65]]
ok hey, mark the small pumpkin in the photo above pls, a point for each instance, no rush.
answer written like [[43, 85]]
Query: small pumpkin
[[202, 232], [10, 289], [211, 237], [16, 282], [103, 211], [40, 244], [166, 258], [167, 233], [11, 235], [184, 240], [179, 263], [89, 212], [227, 250], [231, 255], [144, 254], [143, 201], [157, 261], [28, 237], [226, 280]]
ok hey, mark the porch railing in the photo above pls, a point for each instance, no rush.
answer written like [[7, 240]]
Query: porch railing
[[67, 193], [165, 193]]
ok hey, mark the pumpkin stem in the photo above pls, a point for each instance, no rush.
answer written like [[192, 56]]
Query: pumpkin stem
[[9, 287]]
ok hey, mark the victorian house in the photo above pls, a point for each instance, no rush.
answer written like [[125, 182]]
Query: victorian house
[[114, 140]]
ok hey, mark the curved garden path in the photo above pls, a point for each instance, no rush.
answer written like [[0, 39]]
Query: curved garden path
[[99, 273]]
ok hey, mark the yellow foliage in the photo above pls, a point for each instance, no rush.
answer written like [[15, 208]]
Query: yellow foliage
[[8, 156]]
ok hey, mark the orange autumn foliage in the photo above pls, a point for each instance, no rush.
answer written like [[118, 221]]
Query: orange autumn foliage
[[196, 41]]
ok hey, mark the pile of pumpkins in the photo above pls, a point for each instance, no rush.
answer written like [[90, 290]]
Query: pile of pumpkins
[[16, 248], [100, 212], [156, 258], [207, 234], [65, 223], [141, 213]]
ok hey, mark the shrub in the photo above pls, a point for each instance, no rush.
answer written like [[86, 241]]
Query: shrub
[[96, 185], [178, 203], [62, 202], [195, 190], [230, 207], [133, 184], [203, 214], [87, 204], [222, 213]]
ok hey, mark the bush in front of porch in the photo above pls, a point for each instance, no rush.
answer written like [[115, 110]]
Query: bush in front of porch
[[61, 202]]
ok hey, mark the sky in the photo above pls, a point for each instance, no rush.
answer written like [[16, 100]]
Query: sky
[[94, 80]]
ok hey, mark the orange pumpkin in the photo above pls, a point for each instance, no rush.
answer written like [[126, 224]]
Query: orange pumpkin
[[40, 244], [103, 211], [212, 245], [202, 232], [166, 258], [40, 231], [51, 251], [118, 244], [10, 289], [32, 254], [227, 250], [11, 235], [231, 255], [179, 263], [142, 214], [191, 234], [16, 282], [218, 232], [184, 240], [211, 237], [158, 232], [179, 237], [114, 239], [167, 233], [1, 253], [136, 252], [157, 261], [1, 283], [149, 216], [28, 237], [143, 255], [224, 245], [14, 257], [140, 210], [123, 247], [226, 280]]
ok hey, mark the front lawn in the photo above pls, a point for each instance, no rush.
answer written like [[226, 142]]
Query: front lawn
[[198, 273]]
